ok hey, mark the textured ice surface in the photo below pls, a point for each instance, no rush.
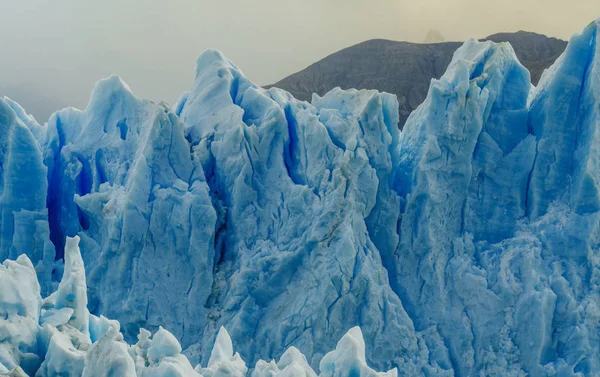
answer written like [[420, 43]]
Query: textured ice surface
[[65, 348], [126, 183], [348, 359], [23, 189], [466, 245], [20, 304], [223, 362], [293, 184], [498, 244]]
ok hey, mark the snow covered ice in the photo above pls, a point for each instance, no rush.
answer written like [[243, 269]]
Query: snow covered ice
[[466, 245]]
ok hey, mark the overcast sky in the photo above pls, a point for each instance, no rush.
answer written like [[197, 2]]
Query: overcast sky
[[53, 51]]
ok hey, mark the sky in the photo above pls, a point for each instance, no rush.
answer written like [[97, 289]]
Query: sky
[[53, 51]]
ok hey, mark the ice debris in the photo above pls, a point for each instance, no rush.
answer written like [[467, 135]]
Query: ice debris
[[64, 348]]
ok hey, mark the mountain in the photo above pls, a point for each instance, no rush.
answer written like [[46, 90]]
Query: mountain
[[434, 36], [465, 245], [406, 69]]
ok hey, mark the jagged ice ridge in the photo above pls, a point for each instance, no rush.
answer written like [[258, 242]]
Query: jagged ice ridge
[[466, 245]]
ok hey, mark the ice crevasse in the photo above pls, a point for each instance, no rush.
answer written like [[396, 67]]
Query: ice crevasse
[[465, 245]]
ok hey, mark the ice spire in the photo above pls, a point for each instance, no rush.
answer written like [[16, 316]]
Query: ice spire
[[72, 290]]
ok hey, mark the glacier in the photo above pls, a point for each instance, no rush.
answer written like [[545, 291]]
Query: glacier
[[467, 244]]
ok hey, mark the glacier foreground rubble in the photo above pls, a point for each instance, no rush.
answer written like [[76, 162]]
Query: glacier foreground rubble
[[468, 244], [57, 336]]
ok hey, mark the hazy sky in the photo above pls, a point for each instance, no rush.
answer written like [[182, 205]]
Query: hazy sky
[[53, 51]]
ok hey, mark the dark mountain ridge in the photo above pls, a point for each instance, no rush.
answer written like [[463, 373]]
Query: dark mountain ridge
[[406, 69]]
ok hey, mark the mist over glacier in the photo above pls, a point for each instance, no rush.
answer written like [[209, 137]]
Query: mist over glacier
[[466, 245]]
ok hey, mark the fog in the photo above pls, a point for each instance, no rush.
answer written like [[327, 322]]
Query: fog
[[54, 51]]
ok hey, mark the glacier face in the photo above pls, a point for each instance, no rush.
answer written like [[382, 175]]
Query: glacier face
[[465, 245], [123, 179], [294, 183], [509, 284]]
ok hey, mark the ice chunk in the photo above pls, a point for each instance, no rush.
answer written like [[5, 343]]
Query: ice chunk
[[223, 362], [109, 357], [291, 364], [160, 356], [178, 366], [264, 369], [20, 303], [100, 325], [66, 353], [349, 359], [72, 290], [20, 294], [293, 359], [57, 317], [139, 351], [163, 344]]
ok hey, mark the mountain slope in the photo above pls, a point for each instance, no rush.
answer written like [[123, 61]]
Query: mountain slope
[[406, 69]]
